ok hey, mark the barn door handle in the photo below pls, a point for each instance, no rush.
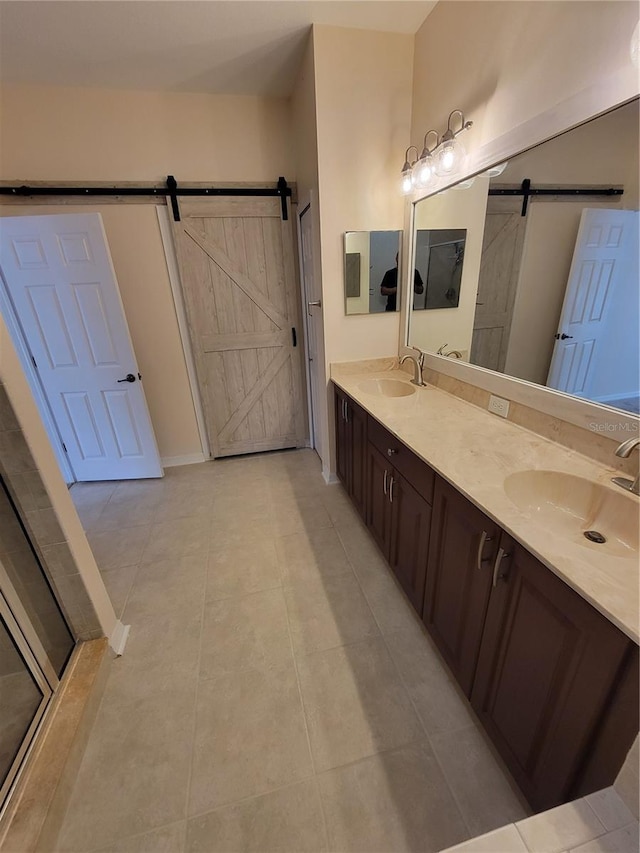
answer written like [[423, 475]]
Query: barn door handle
[[294, 337], [128, 378]]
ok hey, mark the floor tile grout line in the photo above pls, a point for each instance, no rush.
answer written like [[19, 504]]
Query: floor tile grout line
[[591, 809], [411, 700], [305, 719], [197, 690]]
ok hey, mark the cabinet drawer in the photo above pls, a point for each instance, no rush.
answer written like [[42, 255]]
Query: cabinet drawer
[[413, 469]]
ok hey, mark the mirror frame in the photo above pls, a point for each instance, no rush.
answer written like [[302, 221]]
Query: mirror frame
[[612, 92]]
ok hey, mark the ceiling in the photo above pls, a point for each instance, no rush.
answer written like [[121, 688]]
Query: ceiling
[[217, 46]]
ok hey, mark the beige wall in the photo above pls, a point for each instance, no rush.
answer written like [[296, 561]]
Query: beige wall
[[363, 101], [453, 209], [56, 133], [504, 63]]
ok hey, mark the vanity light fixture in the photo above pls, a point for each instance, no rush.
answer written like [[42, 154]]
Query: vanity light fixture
[[425, 167], [408, 176], [494, 171], [451, 152]]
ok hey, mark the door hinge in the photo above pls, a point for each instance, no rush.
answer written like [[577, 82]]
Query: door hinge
[[294, 337], [64, 447], [35, 363]]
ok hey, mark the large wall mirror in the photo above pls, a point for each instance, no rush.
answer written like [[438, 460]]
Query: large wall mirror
[[548, 290]]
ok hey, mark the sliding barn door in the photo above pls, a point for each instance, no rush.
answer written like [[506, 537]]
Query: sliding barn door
[[237, 271]]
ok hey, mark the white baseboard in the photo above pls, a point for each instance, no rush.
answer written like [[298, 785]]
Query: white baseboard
[[329, 478], [119, 637], [187, 459]]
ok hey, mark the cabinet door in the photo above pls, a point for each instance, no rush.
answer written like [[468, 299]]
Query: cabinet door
[[378, 505], [410, 526], [357, 429], [546, 669], [342, 442], [463, 544]]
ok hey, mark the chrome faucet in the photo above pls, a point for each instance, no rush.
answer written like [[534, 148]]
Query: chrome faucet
[[418, 365], [624, 450]]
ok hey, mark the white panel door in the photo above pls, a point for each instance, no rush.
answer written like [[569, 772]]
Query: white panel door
[[605, 239], [61, 282]]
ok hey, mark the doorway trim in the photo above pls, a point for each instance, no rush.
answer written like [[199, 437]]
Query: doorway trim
[[181, 316], [306, 204]]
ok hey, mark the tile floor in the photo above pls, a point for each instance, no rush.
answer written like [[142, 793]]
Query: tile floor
[[277, 692]]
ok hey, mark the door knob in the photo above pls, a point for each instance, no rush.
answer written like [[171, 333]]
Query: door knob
[[128, 378], [564, 337], [316, 304]]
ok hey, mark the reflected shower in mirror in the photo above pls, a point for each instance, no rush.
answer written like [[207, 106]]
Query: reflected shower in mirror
[[371, 271], [548, 291], [439, 258]]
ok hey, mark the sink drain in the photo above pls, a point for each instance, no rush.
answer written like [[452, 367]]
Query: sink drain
[[594, 536]]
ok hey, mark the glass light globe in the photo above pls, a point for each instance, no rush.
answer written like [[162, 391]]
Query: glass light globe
[[450, 157], [494, 171], [425, 171], [464, 185], [406, 181]]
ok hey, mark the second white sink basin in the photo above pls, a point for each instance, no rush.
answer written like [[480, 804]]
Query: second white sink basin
[[569, 506], [387, 387]]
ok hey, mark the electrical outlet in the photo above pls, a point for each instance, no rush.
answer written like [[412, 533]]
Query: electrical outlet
[[498, 406]]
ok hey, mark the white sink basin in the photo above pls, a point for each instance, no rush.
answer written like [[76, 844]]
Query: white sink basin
[[387, 387], [568, 506]]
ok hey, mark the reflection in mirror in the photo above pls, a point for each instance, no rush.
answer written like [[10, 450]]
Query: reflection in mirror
[[371, 271], [439, 257], [549, 288]]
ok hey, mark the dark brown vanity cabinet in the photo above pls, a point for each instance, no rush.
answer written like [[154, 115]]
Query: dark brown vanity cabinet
[[554, 683], [351, 439], [548, 668], [464, 544], [400, 488]]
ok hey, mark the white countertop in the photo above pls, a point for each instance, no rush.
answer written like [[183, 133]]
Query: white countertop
[[475, 451]]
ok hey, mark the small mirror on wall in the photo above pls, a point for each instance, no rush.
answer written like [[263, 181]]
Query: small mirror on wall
[[439, 260], [371, 271]]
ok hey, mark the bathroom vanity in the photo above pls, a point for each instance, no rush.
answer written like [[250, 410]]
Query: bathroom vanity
[[538, 628]]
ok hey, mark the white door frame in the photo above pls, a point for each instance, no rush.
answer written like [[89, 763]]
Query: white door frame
[[302, 208], [26, 359], [183, 329]]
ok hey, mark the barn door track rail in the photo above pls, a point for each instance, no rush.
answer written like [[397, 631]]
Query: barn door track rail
[[172, 191], [527, 191]]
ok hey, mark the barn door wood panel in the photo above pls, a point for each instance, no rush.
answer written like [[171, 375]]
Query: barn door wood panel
[[237, 271]]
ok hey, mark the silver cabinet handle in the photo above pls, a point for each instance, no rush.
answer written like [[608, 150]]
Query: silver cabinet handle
[[391, 452], [392, 481], [484, 538], [384, 484], [502, 554], [346, 411]]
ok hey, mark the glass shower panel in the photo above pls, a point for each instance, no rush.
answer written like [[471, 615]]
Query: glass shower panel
[[21, 702], [24, 571]]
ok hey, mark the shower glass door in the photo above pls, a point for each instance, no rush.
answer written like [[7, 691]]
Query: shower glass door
[[24, 694], [35, 641]]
